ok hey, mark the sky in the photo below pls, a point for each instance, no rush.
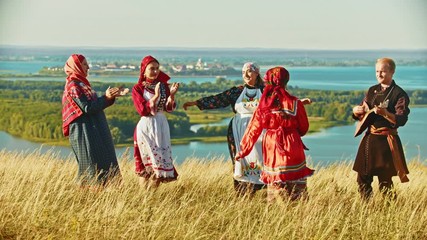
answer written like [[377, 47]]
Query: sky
[[284, 24]]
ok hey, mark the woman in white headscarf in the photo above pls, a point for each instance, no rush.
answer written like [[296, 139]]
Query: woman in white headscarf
[[282, 119], [243, 100]]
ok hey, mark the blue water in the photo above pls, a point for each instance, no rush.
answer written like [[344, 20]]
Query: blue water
[[354, 78], [25, 67], [320, 78], [329, 146]]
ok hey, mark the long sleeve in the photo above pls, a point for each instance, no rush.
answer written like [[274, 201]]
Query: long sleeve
[[252, 133], [140, 103], [94, 106], [402, 110], [220, 100], [170, 105], [303, 124]]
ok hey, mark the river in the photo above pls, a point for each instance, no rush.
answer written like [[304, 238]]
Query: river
[[326, 147], [320, 78], [329, 146]]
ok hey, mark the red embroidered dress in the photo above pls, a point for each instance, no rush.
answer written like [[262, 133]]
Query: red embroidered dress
[[285, 120], [152, 145]]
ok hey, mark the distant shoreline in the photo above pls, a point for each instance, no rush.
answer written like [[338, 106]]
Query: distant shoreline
[[214, 49]]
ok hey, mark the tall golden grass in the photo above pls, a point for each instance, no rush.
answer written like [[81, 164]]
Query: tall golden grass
[[40, 200]]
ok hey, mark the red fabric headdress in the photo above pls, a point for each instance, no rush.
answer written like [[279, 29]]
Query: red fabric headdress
[[163, 77], [277, 76], [274, 92], [74, 70], [73, 89]]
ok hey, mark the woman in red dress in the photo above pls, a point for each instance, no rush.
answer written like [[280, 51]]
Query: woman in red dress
[[152, 97], [285, 120]]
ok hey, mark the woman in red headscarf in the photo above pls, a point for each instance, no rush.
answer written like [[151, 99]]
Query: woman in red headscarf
[[152, 96], [243, 100], [284, 118], [85, 124]]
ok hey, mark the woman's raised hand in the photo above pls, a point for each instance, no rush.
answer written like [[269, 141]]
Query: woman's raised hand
[[174, 88], [188, 104], [111, 93], [306, 101]]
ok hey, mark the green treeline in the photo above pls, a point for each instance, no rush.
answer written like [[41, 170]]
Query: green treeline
[[32, 109]]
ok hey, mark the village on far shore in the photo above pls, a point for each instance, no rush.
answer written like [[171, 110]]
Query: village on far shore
[[200, 67]]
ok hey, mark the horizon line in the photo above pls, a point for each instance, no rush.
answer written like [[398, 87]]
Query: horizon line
[[206, 48]]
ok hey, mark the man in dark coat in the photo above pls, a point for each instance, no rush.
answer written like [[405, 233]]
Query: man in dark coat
[[383, 110]]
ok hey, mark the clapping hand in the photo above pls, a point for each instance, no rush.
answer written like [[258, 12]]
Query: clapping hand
[[123, 91], [113, 92], [174, 88]]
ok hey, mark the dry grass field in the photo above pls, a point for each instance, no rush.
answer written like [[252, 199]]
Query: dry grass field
[[40, 200]]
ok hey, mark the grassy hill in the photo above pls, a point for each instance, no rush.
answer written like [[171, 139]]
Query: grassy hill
[[39, 200]]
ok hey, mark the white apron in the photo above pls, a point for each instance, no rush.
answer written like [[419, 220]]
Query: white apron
[[153, 138], [248, 169]]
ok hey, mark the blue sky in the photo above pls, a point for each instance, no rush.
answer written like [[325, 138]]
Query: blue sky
[[287, 24]]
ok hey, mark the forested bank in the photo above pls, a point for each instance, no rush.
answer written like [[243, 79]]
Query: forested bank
[[32, 110]]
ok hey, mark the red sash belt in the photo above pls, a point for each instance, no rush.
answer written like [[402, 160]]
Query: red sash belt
[[395, 150]]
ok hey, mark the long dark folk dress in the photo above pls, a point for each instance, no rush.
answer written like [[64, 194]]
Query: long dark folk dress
[[374, 156], [92, 143]]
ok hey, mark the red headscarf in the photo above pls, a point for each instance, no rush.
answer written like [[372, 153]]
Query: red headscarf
[[274, 92], [76, 85], [277, 76], [163, 77], [74, 70]]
